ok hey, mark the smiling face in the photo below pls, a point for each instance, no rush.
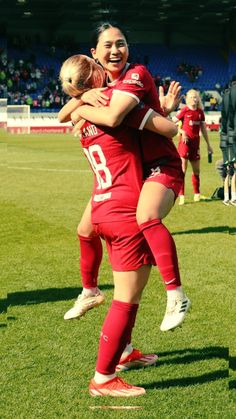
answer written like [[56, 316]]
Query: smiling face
[[111, 51]]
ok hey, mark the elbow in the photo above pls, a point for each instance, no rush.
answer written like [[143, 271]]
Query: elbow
[[114, 121], [60, 117], [63, 118], [174, 131]]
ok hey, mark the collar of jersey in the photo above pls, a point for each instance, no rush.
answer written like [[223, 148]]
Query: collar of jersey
[[113, 83]]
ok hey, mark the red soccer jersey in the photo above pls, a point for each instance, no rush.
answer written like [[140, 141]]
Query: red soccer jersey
[[191, 121], [136, 81], [114, 156]]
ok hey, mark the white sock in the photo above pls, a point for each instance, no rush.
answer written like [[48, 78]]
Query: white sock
[[127, 351], [226, 197], [87, 292], [176, 293], [103, 378]]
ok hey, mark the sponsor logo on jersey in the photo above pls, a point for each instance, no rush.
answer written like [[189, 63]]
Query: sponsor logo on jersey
[[194, 122], [137, 82], [135, 76]]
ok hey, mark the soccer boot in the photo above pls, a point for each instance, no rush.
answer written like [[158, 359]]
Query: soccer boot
[[176, 311], [136, 360], [115, 388], [83, 304], [197, 197], [181, 200]]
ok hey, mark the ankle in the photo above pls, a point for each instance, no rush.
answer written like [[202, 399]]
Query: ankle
[[178, 292], [103, 378], [90, 291]]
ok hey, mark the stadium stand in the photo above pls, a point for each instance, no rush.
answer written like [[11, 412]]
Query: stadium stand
[[30, 76]]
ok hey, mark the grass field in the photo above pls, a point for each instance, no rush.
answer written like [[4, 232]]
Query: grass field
[[46, 362]]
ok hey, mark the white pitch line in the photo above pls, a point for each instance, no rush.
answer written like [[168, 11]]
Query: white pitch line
[[50, 170], [116, 407]]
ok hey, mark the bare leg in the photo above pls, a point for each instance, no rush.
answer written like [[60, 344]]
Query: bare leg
[[155, 203], [90, 259]]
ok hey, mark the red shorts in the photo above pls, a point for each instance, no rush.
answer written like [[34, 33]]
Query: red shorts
[[170, 177], [126, 246], [191, 150]]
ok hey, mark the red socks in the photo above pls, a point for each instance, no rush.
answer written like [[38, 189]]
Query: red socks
[[90, 260], [163, 249], [115, 334], [196, 183]]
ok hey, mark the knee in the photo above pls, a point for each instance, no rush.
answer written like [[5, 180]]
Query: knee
[[148, 218], [85, 230], [144, 217]]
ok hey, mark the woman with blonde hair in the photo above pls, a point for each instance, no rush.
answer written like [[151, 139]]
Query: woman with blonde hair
[[80, 73], [115, 157], [192, 123], [131, 85]]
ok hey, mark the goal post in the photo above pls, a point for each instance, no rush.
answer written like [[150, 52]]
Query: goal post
[[3, 113], [18, 119]]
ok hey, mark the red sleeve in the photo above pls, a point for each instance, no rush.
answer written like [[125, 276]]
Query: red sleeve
[[138, 117], [180, 114], [137, 82]]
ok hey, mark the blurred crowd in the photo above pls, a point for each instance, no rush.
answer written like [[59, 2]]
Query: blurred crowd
[[193, 72], [23, 81]]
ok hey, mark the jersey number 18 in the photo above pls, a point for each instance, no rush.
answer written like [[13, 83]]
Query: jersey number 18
[[103, 174]]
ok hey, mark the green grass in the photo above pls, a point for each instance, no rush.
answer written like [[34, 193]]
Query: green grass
[[46, 363]]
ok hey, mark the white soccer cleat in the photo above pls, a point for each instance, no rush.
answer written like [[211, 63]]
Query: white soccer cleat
[[233, 202], [115, 388], [83, 304], [176, 311], [136, 360], [181, 200], [197, 197], [226, 202]]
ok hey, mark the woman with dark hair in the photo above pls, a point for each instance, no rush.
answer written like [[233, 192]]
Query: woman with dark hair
[[114, 156], [131, 84]]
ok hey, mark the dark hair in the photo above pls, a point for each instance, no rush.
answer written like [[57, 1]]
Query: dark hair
[[100, 28]]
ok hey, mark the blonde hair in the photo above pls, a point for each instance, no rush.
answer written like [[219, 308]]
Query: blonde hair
[[76, 74], [196, 93]]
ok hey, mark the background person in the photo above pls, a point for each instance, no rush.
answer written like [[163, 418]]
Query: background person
[[232, 138], [193, 121]]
